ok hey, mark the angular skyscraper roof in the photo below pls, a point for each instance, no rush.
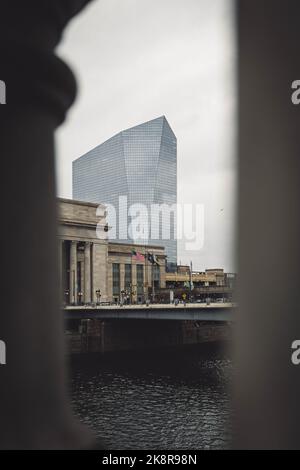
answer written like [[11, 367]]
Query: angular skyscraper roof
[[139, 163]]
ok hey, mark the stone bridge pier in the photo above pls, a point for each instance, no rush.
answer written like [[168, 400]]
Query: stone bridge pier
[[102, 336]]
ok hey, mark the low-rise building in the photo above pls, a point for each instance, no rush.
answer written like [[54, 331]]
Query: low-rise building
[[94, 269], [212, 283], [133, 275]]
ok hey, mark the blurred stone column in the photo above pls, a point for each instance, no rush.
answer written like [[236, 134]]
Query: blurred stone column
[[268, 386], [34, 406]]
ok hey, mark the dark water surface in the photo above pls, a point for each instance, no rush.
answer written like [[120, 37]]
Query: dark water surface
[[158, 400]]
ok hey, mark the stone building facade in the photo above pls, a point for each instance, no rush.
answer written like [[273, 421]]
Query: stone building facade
[[139, 279], [92, 269]]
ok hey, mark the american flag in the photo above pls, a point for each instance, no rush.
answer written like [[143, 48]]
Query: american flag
[[137, 256]]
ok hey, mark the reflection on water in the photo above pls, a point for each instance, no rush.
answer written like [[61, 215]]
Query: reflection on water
[[162, 400]]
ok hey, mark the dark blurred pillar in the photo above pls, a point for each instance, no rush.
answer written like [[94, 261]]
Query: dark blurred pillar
[[268, 386], [34, 409]]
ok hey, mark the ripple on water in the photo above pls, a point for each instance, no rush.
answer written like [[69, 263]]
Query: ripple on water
[[156, 401]]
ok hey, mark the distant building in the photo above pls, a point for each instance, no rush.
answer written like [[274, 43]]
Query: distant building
[[212, 283], [140, 164], [93, 269]]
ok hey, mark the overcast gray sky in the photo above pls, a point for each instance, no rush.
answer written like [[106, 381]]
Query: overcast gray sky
[[136, 60]]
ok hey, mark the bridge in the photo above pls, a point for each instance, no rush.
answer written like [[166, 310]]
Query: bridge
[[201, 312]]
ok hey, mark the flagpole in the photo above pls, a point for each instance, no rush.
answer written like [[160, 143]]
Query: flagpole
[[191, 276], [146, 272], [131, 280], [133, 253], [152, 274]]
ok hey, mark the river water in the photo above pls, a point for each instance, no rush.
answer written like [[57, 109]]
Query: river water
[[158, 401]]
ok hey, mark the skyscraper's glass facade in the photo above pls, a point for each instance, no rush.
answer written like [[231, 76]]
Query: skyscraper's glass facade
[[141, 164]]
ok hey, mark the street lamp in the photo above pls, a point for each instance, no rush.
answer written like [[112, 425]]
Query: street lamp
[[123, 293], [98, 295], [80, 295], [132, 292], [67, 293]]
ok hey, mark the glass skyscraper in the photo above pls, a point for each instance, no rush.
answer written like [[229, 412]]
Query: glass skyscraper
[[140, 166]]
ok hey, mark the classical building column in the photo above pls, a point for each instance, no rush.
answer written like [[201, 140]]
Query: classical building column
[[87, 273], [60, 243], [147, 279], [134, 283], [73, 273], [162, 275], [60, 267], [122, 276], [99, 262]]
